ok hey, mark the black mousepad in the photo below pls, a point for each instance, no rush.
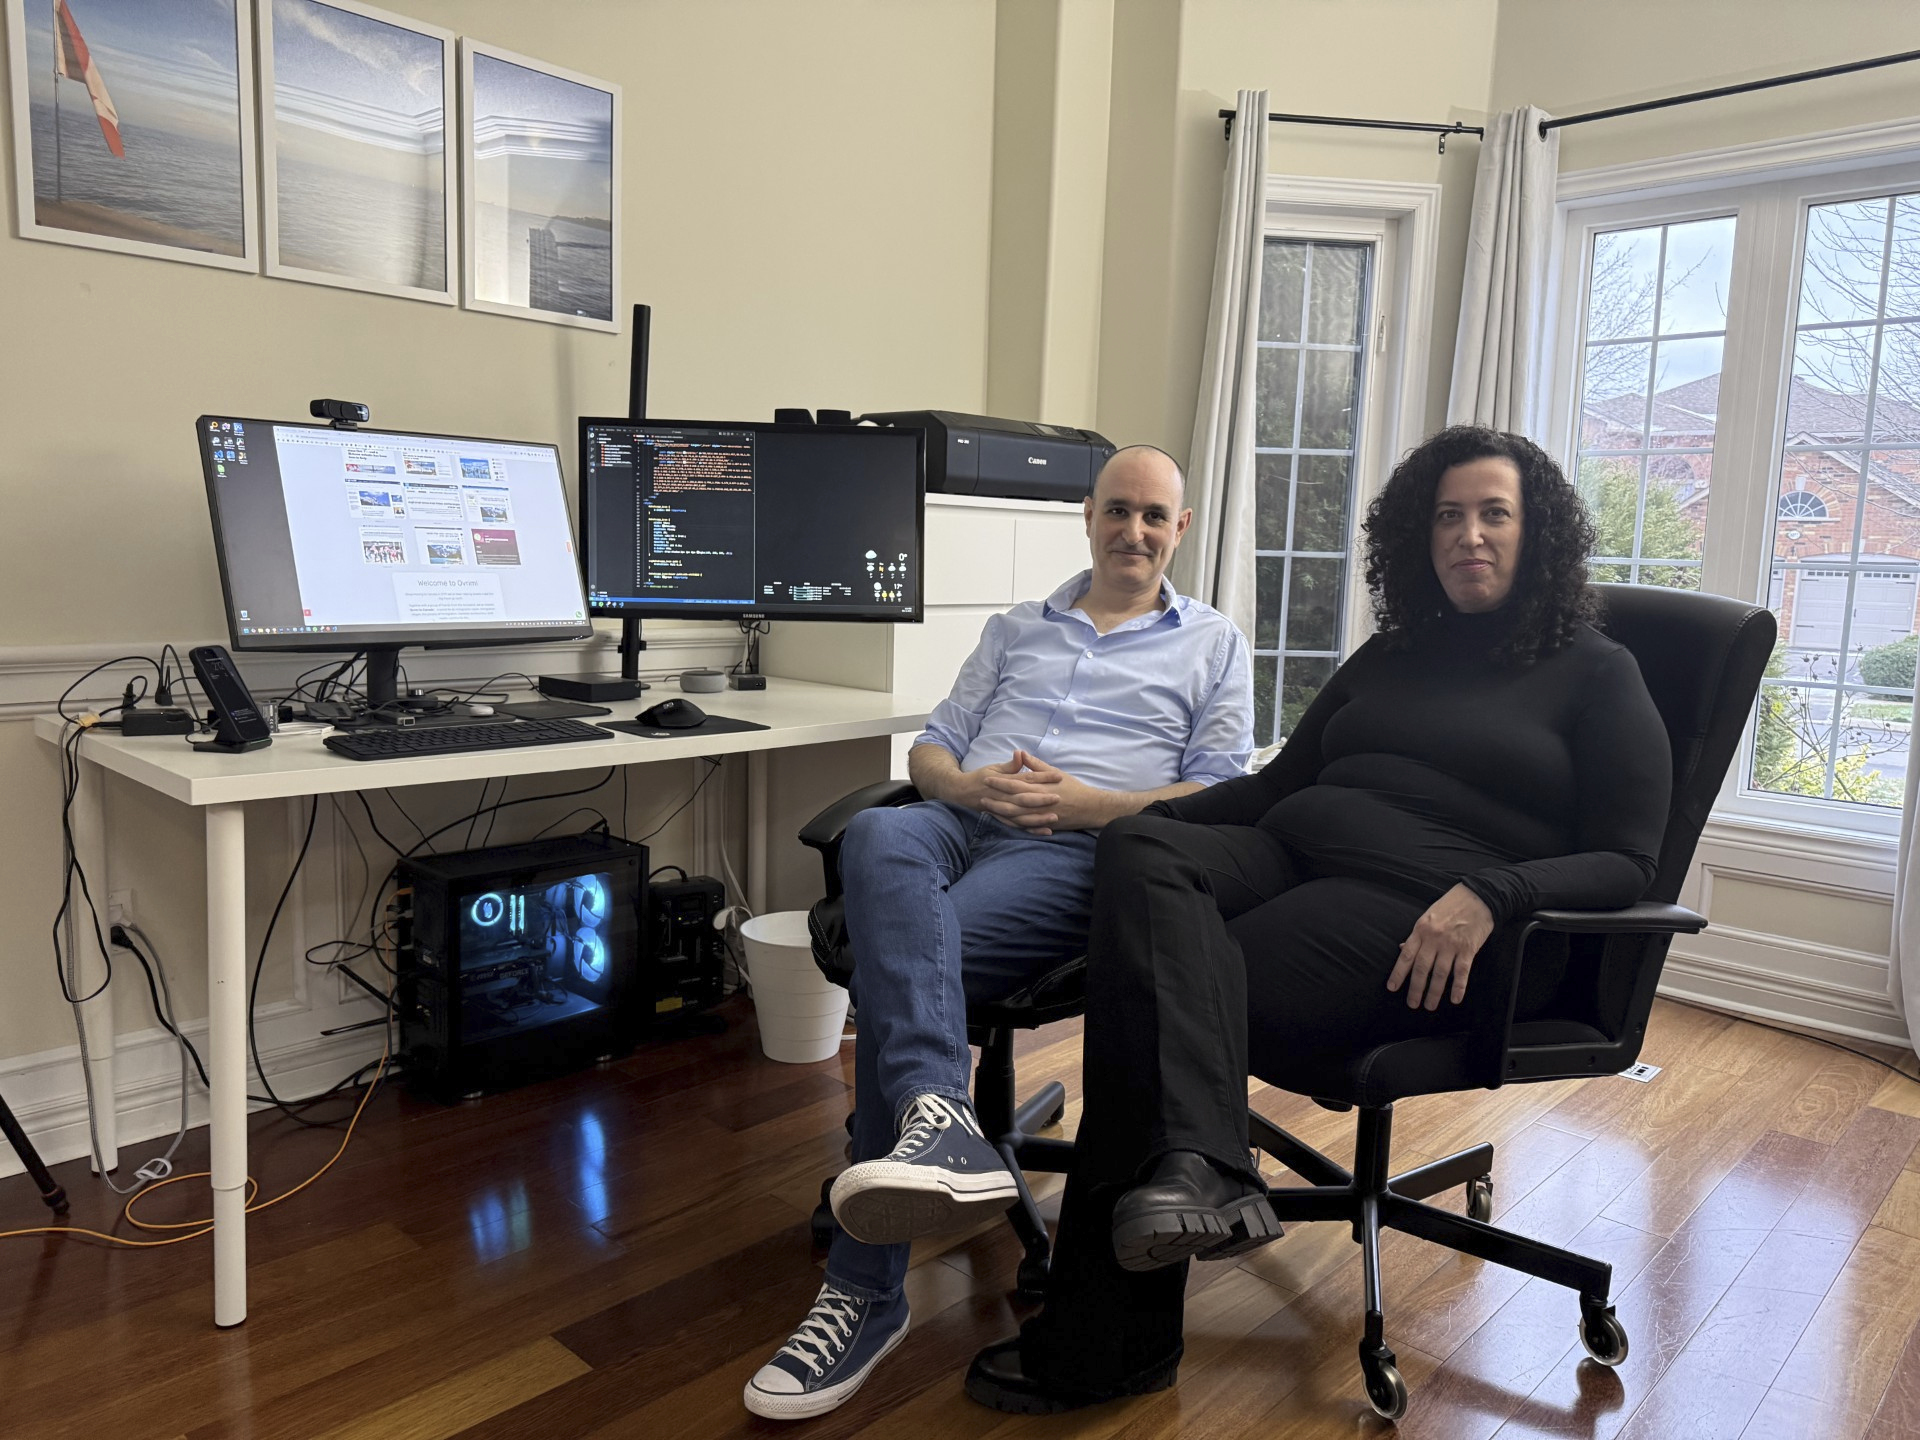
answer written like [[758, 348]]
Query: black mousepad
[[712, 725]]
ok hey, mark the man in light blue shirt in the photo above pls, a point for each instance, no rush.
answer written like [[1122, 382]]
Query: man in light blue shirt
[[1110, 694]]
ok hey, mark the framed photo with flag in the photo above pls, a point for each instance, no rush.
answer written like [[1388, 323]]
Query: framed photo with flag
[[133, 127], [356, 159], [541, 173]]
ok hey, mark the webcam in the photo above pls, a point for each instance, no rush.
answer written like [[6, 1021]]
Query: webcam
[[341, 414]]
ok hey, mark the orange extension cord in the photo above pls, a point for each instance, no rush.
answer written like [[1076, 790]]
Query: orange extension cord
[[205, 1227]]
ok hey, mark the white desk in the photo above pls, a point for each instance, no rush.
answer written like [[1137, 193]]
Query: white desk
[[297, 764]]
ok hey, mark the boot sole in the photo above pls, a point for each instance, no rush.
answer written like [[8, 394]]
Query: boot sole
[[885, 1207], [1158, 1238], [1008, 1401]]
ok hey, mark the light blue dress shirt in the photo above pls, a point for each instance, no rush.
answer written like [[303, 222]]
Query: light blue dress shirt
[[1166, 697]]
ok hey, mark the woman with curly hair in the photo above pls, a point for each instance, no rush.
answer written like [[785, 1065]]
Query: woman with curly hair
[[1486, 753]]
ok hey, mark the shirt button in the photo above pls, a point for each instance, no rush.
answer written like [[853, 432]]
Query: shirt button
[[1056, 729], [1089, 654]]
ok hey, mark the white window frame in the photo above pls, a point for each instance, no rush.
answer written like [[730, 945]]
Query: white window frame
[[1401, 219], [1747, 182]]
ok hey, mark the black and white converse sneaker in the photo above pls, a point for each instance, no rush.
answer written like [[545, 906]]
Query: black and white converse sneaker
[[827, 1358], [942, 1175]]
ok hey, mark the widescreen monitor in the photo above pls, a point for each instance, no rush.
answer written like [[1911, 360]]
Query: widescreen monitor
[[374, 539], [722, 520]]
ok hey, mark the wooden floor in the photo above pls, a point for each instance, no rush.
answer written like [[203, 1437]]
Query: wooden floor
[[613, 1255]]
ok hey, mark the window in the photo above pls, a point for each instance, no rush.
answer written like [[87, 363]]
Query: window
[[1742, 383], [1656, 324], [1314, 307]]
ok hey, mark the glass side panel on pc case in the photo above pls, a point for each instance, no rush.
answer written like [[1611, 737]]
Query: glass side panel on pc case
[[710, 520], [533, 954]]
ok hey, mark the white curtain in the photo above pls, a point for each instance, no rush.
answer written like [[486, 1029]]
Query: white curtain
[[1498, 349], [1215, 561], [1903, 971]]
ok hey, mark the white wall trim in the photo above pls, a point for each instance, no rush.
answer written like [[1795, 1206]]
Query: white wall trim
[[1761, 159], [1775, 990]]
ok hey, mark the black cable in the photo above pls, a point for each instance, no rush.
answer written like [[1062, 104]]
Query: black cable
[[661, 870], [379, 834], [71, 871], [121, 934], [500, 805], [485, 785], [394, 801], [1797, 1034], [686, 802], [259, 966], [605, 827]]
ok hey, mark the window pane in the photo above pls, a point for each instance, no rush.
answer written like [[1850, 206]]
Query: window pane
[[1686, 391], [1273, 484], [1320, 504], [1278, 394], [1792, 739], [1697, 275], [1313, 608], [1326, 409], [1903, 268], [1305, 677], [1621, 283], [1827, 397], [1338, 301], [1266, 678], [1896, 401], [1610, 484], [1846, 247], [1270, 579], [1673, 518], [1613, 410], [1814, 515], [1282, 289]]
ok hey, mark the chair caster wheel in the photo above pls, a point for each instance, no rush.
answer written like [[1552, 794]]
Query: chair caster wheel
[[1030, 1284], [1053, 1116], [1386, 1391], [1603, 1336], [822, 1227], [1480, 1198]]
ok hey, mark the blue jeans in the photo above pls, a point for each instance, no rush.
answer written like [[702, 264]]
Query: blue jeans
[[944, 905]]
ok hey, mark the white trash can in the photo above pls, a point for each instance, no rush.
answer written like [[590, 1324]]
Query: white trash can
[[802, 1014]]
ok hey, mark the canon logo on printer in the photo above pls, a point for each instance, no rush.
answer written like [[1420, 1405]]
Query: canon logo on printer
[[1035, 460]]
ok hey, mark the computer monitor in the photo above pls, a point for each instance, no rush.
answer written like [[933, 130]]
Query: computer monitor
[[377, 539], [709, 520]]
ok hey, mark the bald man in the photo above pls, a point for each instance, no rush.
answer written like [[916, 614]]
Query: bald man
[[1110, 694]]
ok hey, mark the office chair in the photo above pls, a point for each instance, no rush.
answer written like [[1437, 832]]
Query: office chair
[[1058, 994], [1702, 657]]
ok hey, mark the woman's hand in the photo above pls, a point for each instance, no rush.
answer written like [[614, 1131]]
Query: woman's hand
[[1441, 948]]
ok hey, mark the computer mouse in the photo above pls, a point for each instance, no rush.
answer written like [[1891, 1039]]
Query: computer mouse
[[675, 714]]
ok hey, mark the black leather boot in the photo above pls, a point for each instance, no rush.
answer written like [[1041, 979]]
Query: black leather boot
[[1190, 1210], [998, 1379]]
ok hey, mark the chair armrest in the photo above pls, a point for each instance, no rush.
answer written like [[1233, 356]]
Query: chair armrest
[[1646, 917], [826, 828]]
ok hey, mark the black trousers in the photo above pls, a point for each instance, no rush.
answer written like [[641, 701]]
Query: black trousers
[[1210, 950]]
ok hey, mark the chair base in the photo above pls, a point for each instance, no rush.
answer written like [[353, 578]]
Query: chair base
[[1014, 1130], [1370, 1199]]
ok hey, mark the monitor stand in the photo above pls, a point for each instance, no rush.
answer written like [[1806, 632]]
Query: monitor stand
[[384, 705], [599, 689]]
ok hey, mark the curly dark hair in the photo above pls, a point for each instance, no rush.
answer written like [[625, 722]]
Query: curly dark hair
[[1550, 592]]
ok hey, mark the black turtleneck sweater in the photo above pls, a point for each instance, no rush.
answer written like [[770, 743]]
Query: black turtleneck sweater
[[1536, 787]]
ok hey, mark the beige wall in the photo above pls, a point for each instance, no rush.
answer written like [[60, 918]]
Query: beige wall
[[1567, 57], [806, 206]]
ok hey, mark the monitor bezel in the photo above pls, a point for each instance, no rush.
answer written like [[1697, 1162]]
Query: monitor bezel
[[654, 610], [359, 639]]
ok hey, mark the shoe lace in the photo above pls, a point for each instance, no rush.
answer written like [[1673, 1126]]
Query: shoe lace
[[825, 1331], [927, 1118]]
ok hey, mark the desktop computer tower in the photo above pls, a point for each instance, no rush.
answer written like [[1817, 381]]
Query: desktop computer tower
[[519, 961], [683, 965]]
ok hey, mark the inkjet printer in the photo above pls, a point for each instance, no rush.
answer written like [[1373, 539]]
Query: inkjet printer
[[1012, 459]]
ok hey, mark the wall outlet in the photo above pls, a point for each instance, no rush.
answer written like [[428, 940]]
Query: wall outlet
[[119, 907], [1642, 1072]]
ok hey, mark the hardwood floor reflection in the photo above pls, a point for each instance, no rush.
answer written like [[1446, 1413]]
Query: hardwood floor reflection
[[612, 1254]]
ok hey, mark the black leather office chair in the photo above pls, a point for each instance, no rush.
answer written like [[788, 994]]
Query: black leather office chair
[[1702, 657], [1058, 994]]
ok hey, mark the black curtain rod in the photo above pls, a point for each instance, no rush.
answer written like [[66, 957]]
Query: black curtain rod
[[1456, 128], [1742, 89]]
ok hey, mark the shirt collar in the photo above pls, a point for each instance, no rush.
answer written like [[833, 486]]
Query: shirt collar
[[1064, 602]]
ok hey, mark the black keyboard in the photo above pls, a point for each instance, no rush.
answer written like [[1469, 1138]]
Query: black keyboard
[[404, 743]]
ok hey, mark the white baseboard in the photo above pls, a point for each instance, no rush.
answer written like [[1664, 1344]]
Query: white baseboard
[[1779, 993], [47, 1091]]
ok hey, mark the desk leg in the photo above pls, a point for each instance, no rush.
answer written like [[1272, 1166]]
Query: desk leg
[[227, 1038], [96, 1015], [756, 897]]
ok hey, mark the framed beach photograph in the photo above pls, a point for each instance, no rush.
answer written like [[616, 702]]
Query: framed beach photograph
[[356, 172], [133, 126], [540, 164]]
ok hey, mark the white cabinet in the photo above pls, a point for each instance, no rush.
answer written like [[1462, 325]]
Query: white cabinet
[[982, 556]]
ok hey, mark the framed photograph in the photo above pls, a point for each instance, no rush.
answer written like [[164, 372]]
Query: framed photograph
[[133, 127], [356, 170], [540, 162]]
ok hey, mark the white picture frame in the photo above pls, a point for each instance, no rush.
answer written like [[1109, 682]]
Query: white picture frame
[[569, 190], [349, 102], [183, 118]]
